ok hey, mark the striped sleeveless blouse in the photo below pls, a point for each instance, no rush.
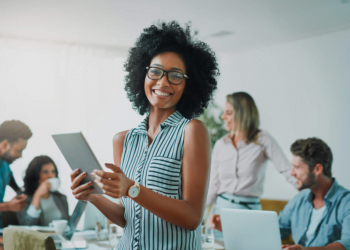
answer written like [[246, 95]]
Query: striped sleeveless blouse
[[159, 168]]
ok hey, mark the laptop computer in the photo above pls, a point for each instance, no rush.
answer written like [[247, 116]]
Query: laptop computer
[[65, 240], [250, 229]]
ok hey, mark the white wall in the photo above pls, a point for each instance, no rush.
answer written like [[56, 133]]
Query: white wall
[[302, 90], [57, 88]]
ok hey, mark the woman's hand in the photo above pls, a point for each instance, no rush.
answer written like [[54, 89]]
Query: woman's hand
[[43, 188], [216, 222], [81, 192], [114, 184]]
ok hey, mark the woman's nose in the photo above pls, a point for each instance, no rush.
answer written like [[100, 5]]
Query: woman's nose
[[163, 81]]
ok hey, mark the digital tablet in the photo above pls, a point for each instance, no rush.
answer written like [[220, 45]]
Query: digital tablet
[[78, 154]]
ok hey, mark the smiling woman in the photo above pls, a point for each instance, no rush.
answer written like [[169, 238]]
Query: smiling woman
[[161, 168]]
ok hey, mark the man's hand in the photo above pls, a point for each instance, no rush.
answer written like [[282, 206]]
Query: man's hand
[[17, 203], [293, 247], [216, 221]]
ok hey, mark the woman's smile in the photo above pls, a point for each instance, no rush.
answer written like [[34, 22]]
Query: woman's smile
[[161, 93]]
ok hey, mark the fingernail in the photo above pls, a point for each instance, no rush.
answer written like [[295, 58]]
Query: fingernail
[[84, 174], [95, 180], [77, 170], [90, 182], [94, 170]]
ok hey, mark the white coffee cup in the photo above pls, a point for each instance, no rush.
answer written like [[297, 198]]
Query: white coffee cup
[[55, 184], [59, 225]]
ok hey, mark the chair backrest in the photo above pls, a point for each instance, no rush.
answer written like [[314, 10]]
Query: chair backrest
[[9, 218], [18, 238], [273, 205]]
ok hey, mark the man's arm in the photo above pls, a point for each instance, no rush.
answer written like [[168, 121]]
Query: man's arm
[[284, 219], [17, 203], [4, 206], [332, 246], [13, 185]]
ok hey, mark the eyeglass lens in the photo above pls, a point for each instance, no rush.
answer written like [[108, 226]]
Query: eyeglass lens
[[173, 76]]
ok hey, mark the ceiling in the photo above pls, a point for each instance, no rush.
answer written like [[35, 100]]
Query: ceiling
[[228, 26]]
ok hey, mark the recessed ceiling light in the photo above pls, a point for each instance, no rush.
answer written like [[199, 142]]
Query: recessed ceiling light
[[221, 33]]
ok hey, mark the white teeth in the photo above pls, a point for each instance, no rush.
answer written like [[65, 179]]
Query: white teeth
[[161, 93]]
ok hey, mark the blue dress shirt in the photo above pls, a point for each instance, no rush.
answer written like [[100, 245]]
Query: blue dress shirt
[[334, 225], [5, 176]]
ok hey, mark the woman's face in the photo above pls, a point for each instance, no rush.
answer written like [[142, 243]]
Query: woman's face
[[47, 171], [161, 93], [227, 116]]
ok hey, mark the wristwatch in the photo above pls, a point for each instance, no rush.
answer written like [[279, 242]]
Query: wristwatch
[[134, 190]]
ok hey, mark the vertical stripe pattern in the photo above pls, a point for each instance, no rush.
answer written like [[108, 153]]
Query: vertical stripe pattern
[[159, 168]]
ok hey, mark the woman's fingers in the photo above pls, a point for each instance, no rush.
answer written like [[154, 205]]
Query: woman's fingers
[[105, 174], [108, 188], [77, 180], [73, 174], [110, 182], [81, 195], [81, 188]]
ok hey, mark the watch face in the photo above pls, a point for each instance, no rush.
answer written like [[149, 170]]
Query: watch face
[[133, 192]]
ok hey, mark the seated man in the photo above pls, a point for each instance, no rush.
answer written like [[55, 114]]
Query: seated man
[[319, 216], [13, 140]]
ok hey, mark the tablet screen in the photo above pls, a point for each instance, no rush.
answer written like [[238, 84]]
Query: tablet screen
[[78, 154]]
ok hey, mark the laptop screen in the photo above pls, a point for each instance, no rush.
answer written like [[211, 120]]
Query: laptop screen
[[74, 219]]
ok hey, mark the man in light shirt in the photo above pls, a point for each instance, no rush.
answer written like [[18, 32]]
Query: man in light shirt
[[319, 216], [13, 140]]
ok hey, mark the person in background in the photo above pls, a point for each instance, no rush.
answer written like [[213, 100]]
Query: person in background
[[161, 167], [319, 216], [13, 140], [239, 159], [43, 205]]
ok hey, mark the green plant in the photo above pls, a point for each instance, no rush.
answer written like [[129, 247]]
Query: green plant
[[215, 125]]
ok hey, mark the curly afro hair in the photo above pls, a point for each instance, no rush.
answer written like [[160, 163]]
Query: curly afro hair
[[199, 59]]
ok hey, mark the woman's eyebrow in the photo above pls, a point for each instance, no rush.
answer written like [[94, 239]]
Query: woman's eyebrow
[[161, 66], [177, 69]]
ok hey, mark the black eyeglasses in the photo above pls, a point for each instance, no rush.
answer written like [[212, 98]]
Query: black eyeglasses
[[174, 77]]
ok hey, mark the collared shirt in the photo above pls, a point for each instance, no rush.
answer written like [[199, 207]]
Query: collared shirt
[[5, 177], [334, 225], [241, 171], [159, 168]]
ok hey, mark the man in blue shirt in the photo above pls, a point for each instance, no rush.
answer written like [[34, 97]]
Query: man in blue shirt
[[13, 140], [319, 216]]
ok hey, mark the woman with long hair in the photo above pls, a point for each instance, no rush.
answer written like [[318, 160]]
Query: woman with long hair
[[43, 205], [239, 158], [161, 167]]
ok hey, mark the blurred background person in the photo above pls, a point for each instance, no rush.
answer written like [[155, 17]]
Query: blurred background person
[[239, 158], [13, 140], [44, 202]]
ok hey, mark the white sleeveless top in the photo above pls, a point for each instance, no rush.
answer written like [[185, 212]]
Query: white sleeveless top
[[159, 168]]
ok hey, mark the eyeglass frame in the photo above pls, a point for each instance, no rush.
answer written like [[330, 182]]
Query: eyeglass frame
[[165, 71]]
